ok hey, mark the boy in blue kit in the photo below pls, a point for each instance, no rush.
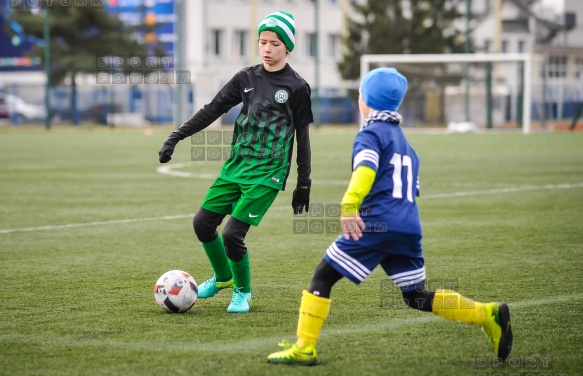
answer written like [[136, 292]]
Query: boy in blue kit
[[381, 226]]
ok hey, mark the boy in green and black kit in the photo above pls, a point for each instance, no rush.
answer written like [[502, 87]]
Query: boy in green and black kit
[[276, 109]]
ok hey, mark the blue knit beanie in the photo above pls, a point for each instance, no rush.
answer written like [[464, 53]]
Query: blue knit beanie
[[383, 89]]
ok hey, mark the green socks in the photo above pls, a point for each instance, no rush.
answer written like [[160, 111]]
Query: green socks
[[215, 251], [242, 273], [226, 269]]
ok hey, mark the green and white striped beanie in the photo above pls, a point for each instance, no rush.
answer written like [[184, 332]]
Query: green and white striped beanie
[[281, 23]]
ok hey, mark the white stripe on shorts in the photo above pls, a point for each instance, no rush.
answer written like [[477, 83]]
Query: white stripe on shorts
[[409, 278], [414, 274], [413, 282], [349, 264]]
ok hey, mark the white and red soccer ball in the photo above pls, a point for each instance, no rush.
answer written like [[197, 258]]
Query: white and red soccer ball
[[176, 291]]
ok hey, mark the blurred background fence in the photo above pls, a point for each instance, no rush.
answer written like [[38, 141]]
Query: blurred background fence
[[153, 105]]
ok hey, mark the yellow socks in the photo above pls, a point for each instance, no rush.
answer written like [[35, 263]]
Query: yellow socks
[[447, 304], [453, 306], [313, 312]]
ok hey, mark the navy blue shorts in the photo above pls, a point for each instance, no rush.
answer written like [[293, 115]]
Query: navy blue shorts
[[400, 256]]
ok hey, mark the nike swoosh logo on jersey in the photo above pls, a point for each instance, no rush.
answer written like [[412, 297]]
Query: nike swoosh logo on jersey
[[248, 90], [253, 216]]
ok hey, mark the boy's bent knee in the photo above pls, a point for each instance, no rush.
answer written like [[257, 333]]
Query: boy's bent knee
[[205, 225], [234, 235]]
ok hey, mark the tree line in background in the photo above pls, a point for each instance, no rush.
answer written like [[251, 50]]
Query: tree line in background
[[400, 27]]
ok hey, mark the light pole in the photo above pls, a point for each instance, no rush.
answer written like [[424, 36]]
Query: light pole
[[467, 66], [179, 63], [47, 66], [316, 63]]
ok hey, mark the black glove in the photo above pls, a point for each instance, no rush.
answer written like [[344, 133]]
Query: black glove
[[301, 197], [165, 153]]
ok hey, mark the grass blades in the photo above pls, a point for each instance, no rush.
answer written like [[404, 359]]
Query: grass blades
[[87, 225]]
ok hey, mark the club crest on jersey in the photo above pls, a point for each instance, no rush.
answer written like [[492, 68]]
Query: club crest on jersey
[[281, 96]]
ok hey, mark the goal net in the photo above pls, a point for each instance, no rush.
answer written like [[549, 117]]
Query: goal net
[[463, 91]]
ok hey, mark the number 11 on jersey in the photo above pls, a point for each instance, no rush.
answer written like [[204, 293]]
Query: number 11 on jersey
[[399, 161]]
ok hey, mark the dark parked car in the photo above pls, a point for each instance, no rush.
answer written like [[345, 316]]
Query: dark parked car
[[3, 107], [94, 113]]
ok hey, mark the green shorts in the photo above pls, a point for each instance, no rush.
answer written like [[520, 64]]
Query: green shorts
[[246, 202]]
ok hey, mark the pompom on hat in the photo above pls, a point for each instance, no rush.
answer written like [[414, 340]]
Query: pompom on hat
[[283, 24], [383, 89]]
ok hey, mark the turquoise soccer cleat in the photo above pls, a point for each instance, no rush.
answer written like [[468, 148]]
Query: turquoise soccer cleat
[[210, 287], [240, 303]]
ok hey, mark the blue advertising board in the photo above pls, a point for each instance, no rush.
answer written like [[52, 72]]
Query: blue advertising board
[[14, 45], [160, 14]]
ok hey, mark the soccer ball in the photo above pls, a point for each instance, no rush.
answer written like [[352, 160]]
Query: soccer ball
[[176, 291]]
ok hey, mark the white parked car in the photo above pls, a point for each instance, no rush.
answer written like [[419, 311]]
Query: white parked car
[[22, 110]]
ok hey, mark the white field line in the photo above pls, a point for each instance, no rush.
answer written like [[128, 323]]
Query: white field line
[[266, 343], [170, 170], [182, 216], [96, 223], [519, 188]]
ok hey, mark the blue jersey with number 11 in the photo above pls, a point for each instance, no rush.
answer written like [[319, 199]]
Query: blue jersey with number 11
[[391, 204]]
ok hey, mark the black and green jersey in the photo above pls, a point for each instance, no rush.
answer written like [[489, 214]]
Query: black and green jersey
[[275, 105]]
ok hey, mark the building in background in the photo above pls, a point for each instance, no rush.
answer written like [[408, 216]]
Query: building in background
[[552, 30], [221, 38]]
